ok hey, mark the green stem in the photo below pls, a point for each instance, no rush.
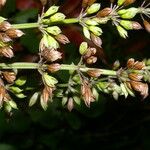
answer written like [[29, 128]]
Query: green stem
[[26, 25], [36, 24], [25, 65]]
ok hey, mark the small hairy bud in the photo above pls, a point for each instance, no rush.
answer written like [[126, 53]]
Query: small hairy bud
[[55, 30], [57, 17], [91, 60], [96, 30], [5, 38], [70, 104], [52, 10], [135, 77], [83, 48], [93, 8], [123, 33]]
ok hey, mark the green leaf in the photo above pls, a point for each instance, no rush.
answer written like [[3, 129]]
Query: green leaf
[[15, 89], [21, 81], [77, 100], [20, 95], [13, 104]]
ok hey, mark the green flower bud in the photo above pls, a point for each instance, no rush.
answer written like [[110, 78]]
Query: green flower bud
[[120, 2], [93, 8], [52, 43], [51, 11], [49, 80], [96, 30], [57, 17], [128, 13], [83, 48], [101, 20], [126, 24], [124, 90], [123, 33], [86, 33], [15, 89], [91, 22], [53, 30]]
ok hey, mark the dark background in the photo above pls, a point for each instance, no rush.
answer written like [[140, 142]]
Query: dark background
[[107, 124]]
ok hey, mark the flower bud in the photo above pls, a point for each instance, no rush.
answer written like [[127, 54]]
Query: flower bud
[[83, 48], [51, 55], [62, 39], [57, 17], [5, 38], [130, 63], [96, 40], [44, 2], [146, 25], [53, 67], [70, 104], [94, 73], [93, 8], [116, 65], [128, 2], [7, 52], [86, 32], [128, 13], [9, 76], [49, 80], [52, 43], [101, 20], [120, 2], [84, 3], [123, 33], [52, 10], [104, 12], [14, 33], [55, 30], [91, 60], [5, 26], [135, 77], [96, 30], [91, 22]]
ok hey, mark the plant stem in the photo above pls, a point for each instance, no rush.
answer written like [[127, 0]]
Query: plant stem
[[25, 25], [36, 24], [25, 65]]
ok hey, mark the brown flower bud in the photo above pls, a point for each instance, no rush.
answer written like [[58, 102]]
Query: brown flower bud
[[135, 76], [86, 3], [104, 12], [94, 73], [128, 2], [51, 54], [70, 104], [136, 25], [53, 67], [5, 38], [91, 60], [146, 25], [2, 3], [62, 38], [96, 40], [130, 63], [7, 52], [129, 85], [9, 76], [14, 33], [90, 2], [140, 87], [47, 93], [5, 26], [139, 65]]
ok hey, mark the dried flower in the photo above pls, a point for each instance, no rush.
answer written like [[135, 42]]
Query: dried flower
[[140, 87], [96, 40], [5, 38], [53, 67], [62, 39], [51, 54], [135, 76], [128, 2], [104, 12], [5, 26], [2, 3], [87, 94], [14, 33], [9, 76], [7, 52], [94, 73]]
